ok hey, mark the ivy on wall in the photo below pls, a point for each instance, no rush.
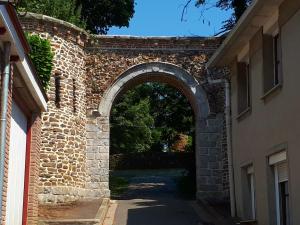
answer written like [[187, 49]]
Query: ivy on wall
[[41, 56]]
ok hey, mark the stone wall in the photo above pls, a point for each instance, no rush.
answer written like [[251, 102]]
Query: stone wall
[[209, 160], [75, 136], [110, 56], [62, 164]]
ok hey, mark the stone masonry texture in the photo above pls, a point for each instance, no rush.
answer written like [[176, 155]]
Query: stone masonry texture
[[74, 160]]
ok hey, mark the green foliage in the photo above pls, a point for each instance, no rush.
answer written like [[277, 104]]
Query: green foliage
[[172, 112], [117, 185], [190, 144], [61, 9], [42, 57], [100, 15], [149, 118], [131, 125], [96, 16], [238, 6]]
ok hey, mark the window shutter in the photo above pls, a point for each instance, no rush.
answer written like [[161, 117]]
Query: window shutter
[[242, 87], [268, 63], [277, 158], [282, 172], [250, 170]]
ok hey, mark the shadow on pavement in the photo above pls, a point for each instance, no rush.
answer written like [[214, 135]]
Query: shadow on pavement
[[155, 200]]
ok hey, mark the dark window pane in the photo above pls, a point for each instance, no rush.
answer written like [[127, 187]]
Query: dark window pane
[[284, 203], [243, 81], [268, 63], [276, 59]]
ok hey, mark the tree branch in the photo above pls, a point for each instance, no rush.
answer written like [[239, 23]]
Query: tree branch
[[184, 10]]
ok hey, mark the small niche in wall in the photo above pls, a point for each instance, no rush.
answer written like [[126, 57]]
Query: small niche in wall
[[74, 95], [57, 90]]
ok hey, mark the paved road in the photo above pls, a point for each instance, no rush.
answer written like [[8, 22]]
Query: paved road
[[152, 200]]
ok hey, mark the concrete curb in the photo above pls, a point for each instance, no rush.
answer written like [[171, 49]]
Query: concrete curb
[[101, 214], [110, 215], [98, 220]]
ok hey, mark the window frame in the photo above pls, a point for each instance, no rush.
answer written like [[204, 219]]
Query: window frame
[[278, 192], [277, 73], [241, 111], [251, 183], [275, 161], [276, 59]]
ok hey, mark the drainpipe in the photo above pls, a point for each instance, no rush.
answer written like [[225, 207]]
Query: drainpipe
[[229, 148], [3, 122], [228, 141]]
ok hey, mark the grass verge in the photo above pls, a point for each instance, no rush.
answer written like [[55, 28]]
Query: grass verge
[[118, 185]]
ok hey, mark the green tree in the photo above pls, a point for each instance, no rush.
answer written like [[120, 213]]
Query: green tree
[[131, 125], [238, 6], [153, 115], [100, 15], [96, 16], [172, 113], [66, 10]]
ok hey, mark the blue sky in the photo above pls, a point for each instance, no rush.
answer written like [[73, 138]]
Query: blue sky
[[163, 18]]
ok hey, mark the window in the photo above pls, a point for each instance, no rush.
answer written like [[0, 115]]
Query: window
[[243, 82], [282, 194], [281, 182], [251, 189], [277, 59], [272, 62], [249, 200], [284, 202]]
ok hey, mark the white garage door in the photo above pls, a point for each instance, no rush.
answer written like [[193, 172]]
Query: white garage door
[[16, 169]]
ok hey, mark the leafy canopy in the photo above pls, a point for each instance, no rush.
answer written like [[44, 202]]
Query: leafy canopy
[[96, 16], [41, 56], [151, 117], [238, 6], [100, 15], [131, 125], [61, 9]]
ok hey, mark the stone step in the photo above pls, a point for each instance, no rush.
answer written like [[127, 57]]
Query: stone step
[[98, 220], [71, 222]]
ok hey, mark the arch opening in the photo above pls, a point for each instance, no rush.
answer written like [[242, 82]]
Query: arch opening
[[206, 131], [152, 146]]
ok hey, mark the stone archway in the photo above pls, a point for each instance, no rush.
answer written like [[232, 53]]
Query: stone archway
[[207, 135]]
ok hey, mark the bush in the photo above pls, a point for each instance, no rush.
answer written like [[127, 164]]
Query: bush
[[117, 186], [41, 56], [152, 160], [187, 184]]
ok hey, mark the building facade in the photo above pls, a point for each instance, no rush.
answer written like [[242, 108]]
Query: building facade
[[262, 53], [22, 102]]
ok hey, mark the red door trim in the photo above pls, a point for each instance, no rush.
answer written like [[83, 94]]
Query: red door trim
[[27, 174]]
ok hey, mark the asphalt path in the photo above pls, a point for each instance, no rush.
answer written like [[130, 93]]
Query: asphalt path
[[152, 199]]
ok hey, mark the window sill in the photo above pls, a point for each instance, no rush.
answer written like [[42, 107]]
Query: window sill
[[272, 91], [244, 114]]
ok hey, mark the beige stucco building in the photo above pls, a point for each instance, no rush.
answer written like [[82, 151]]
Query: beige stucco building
[[263, 55]]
